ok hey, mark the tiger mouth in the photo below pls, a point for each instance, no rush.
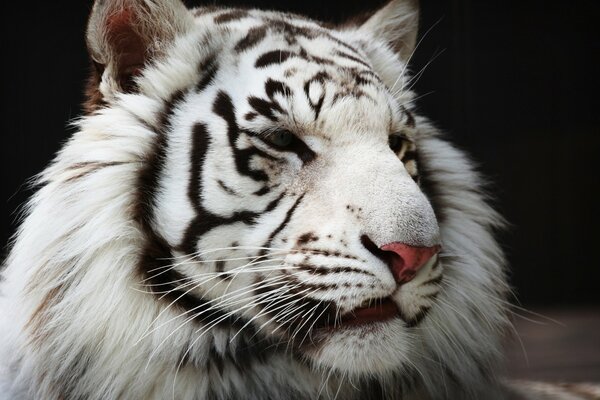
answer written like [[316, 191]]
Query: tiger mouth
[[369, 312]]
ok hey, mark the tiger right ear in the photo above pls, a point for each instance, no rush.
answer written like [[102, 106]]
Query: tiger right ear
[[123, 35], [396, 24]]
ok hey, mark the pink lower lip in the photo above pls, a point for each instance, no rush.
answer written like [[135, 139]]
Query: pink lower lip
[[381, 310]]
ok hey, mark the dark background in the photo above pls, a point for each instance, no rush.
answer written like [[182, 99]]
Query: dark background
[[514, 83]]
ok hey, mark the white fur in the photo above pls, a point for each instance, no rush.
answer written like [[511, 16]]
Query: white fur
[[79, 237]]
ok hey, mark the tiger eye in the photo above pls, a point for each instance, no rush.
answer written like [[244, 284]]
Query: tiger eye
[[280, 138]]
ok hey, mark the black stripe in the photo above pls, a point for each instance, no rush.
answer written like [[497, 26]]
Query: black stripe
[[230, 16], [323, 270], [265, 108], [208, 69], [205, 10], [298, 323], [226, 188], [410, 119], [273, 87], [286, 220], [417, 318], [409, 156], [164, 285], [429, 186], [305, 55], [326, 253], [224, 108], [253, 37], [204, 220], [290, 31], [352, 58], [262, 191], [273, 57], [153, 165], [370, 74], [157, 252], [433, 281], [200, 144], [89, 167], [319, 79], [250, 116], [317, 287]]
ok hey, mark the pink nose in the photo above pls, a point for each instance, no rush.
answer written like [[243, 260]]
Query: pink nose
[[405, 260]]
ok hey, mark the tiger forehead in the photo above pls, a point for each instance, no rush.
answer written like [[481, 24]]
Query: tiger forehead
[[293, 34], [300, 61]]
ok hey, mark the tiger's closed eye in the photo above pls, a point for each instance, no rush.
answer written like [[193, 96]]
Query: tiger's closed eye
[[280, 139], [285, 140]]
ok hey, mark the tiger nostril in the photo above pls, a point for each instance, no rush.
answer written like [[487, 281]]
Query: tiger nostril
[[406, 260], [374, 249], [403, 260]]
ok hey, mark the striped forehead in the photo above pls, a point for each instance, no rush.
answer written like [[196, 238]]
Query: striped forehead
[[291, 71]]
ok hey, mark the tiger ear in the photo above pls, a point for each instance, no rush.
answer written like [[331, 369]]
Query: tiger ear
[[123, 35], [396, 24]]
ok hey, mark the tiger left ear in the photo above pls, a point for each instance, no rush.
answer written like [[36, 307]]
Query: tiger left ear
[[396, 24], [124, 35]]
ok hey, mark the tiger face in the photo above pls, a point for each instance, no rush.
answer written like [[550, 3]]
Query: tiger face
[[251, 200], [289, 189]]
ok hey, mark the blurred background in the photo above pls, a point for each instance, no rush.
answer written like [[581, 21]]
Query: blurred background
[[514, 83]]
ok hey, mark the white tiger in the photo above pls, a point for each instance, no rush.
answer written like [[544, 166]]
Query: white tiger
[[251, 209]]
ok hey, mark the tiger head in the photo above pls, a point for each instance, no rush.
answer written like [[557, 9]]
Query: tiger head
[[286, 190]]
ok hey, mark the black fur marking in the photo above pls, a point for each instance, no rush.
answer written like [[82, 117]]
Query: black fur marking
[[322, 270], [409, 156], [148, 181], [223, 107], [265, 108], [273, 87], [291, 32], [205, 10], [269, 108], [298, 323], [305, 55], [433, 281], [254, 37], [251, 116], [410, 118], [220, 266], [226, 188], [205, 220], [164, 285], [230, 16], [262, 191], [200, 145], [245, 354], [352, 58], [89, 167], [157, 251], [208, 69], [429, 187], [279, 228], [307, 237], [313, 287], [272, 57], [416, 320], [319, 78]]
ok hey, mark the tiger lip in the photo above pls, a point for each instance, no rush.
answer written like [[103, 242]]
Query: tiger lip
[[376, 310]]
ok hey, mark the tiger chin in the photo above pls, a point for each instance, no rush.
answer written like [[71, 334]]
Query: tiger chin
[[252, 208]]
